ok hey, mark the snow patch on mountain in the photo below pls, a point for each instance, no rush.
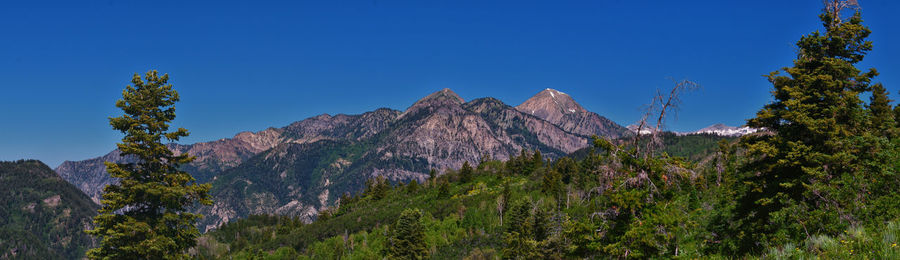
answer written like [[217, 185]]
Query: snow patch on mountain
[[724, 130]]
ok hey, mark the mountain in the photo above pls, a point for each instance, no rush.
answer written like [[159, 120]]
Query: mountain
[[723, 130], [41, 215], [304, 167], [716, 129], [212, 157], [561, 109], [440, 131], [644, 131]]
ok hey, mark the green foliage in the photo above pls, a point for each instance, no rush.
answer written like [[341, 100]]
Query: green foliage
[[41, 215], [145, 214], [826, 157], [853, 243], [466, 172], [377, 188], [408, 240]]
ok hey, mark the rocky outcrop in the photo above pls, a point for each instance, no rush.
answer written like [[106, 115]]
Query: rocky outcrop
[[561, 109]]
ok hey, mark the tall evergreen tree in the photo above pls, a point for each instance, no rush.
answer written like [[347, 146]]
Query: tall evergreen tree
[[144, 215], [408, 241], [880, 108], [810, 176], [466, 172]]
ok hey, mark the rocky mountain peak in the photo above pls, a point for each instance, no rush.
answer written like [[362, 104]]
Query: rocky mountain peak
[[440, 99], [550, 105], [444, 95]]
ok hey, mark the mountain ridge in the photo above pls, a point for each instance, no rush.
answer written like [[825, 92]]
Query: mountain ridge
[[439, 131]]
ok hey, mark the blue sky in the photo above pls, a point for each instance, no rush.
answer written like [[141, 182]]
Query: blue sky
[[250, 65]]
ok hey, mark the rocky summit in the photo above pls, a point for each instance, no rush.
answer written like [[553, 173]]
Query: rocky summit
[[561, 109], [304, 167]]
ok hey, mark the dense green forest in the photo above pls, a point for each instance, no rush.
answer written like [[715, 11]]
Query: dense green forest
[[528, 207], [818, 181], [41, 215]]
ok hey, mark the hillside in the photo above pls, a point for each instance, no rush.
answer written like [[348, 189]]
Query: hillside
[[41, 215], [506, 208], [440, 131]]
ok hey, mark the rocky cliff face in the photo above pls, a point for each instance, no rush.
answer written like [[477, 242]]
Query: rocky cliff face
[[90, 175], [561, 109], [304, 167]]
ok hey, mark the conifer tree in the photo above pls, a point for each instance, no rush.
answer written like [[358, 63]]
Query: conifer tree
[[551, 183], [809, 175], [412, 187], [537, 160], [897, 115], [567, 168], [880, 108], [517, 219], [408, 240], [466, 172], [432, 174], [377, 187], [443, 188], [144, 215]]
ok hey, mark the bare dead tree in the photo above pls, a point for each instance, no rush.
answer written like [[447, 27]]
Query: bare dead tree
[[661, 106], [835, 7]]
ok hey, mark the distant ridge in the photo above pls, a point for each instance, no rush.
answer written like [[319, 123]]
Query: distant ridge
[[716, 129]]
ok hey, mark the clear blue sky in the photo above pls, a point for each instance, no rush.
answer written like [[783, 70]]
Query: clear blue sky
[[248, 65]]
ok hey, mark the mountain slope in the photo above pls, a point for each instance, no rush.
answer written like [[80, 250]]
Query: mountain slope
[[561, 109], [304, 167], [41, 215], [439, 131], [216, 156]]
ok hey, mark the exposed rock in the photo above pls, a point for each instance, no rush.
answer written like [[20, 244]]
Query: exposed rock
[[52, 201], [561, 109]]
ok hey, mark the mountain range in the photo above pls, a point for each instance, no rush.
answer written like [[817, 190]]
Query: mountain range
[[304, 167], [716, 129]]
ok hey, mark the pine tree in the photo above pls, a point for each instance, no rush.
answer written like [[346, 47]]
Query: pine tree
[[443, 188], [412, 187], [567, 168], [466, 172], [377, 188], [551, 183], [897, 115], [517, 218], [432, 174], [808, 175], [408, 240], [144, 215], [537, 161], [880, 108]]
